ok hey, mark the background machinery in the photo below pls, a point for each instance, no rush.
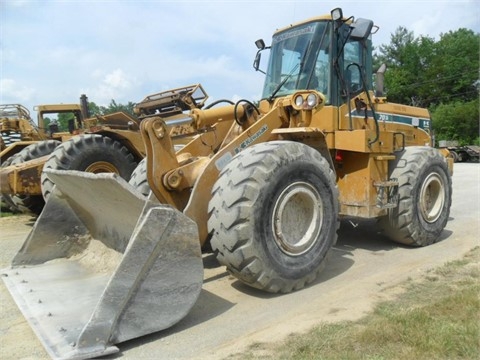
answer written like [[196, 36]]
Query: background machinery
[[465, 153], [264, 186], [17, 129], [107, 143], [23, 162], [23, 140]]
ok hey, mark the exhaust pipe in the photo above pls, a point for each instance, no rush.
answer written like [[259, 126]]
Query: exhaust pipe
[[379, 81]]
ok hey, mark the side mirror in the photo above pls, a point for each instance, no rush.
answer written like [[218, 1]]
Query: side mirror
[[361, 29], [260, 44], [256, 62]]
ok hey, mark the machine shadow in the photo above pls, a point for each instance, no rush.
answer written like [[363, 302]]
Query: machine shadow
[[366, 234], [208, 306], [352, 235]]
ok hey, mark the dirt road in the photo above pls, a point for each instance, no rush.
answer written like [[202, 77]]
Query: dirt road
[[364, 269]]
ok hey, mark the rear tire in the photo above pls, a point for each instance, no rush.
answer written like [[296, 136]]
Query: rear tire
[[29, 203], [90, 153], [273, 216], [425, 197], [454, 155]]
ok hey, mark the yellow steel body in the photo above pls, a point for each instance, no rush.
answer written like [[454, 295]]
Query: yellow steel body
[[185, 179]]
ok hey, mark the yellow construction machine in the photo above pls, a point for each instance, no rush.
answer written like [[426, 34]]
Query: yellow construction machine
[[17, 129], [108, 143], [22, 162], [23, 140], [264, 185]]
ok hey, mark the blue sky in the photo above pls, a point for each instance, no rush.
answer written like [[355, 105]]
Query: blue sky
[[54, 51]]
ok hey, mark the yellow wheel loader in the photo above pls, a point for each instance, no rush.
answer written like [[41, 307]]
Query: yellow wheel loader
[[263, 185]]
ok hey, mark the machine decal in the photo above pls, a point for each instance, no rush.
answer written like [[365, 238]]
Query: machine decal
[[293, 33], [422, 123], [251, 139], [223, 160]]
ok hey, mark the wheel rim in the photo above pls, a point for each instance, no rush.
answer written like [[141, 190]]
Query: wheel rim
[[297, 218], [432, 198], [101, 167]]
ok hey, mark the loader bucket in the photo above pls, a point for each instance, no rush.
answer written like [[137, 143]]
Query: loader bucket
[[103, 265]]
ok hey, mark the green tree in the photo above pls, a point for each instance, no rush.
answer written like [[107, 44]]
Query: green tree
[[63, 119], [393, 54], [423, 72], [114, 107], [455, 66], [408, 61], [457, 121], [94, 109], [440, 75]]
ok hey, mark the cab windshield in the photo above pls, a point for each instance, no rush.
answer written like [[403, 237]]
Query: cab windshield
[[299, 59]]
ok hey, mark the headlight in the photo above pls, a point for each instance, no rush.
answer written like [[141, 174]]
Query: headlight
[[299, 100], [312, 100], [307, 100]]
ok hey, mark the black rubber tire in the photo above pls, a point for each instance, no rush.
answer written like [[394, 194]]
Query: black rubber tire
[[288, 179], [425, 197], [6, 201], [92, 153], [29, 203], [454, 155], [139, 178], [9, 160], [462, 156]]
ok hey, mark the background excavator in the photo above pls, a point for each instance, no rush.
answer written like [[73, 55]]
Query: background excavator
[[263, 185]]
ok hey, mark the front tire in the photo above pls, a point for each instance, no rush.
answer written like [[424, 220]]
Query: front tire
[[139, 178], [273, 216], [90, 153], [425, 197]]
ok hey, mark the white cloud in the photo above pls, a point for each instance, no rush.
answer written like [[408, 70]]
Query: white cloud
[[117, 79], [13, 92], [115, 84]]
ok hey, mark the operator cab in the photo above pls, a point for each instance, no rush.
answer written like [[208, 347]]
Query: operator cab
[[329, 54]]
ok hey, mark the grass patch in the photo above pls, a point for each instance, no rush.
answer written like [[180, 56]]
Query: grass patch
[[437, 317], [4, 209], [6, 214]]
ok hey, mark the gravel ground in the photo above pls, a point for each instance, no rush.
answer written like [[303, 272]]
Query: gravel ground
[[364, 269]]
